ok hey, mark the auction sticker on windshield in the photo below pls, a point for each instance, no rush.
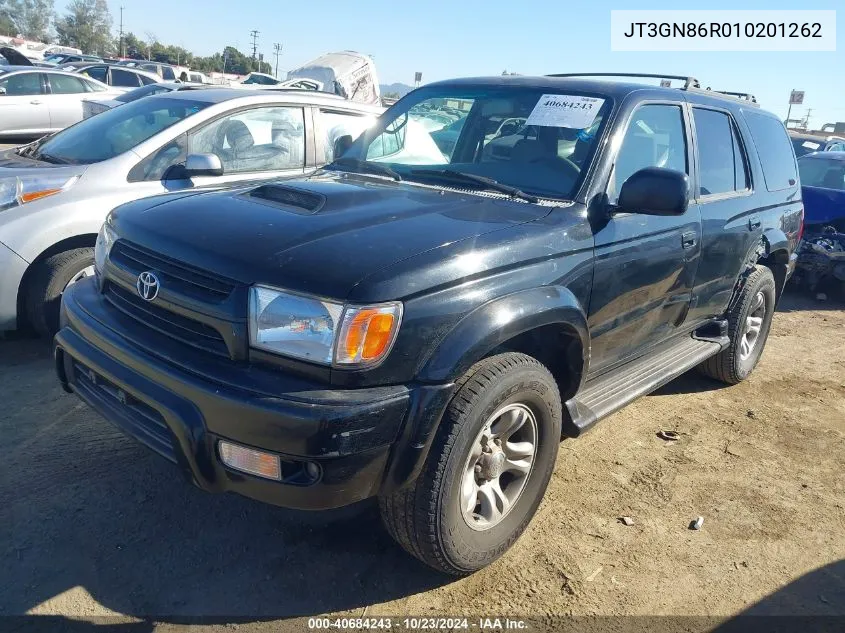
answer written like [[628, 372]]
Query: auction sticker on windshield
[[570, 111]]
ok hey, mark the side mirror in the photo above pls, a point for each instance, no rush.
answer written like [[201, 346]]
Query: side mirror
[[2, 91], [341, 145], [203, 165], [655, 191]]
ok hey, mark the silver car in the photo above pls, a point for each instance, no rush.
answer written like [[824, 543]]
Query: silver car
[[35, 101], [55, 193]]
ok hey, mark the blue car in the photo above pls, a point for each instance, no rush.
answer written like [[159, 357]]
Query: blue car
[[823, 188], [821, 256]]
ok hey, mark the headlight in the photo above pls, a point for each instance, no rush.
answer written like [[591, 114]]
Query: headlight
[[105, 239], [321, 331], [23, 189]]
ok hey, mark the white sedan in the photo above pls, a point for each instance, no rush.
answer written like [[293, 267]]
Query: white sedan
[[36, 101]]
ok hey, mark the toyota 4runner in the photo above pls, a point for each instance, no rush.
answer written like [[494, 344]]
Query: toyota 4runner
[[423, 322]]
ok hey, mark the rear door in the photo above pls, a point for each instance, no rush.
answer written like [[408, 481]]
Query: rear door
[[644, 265], [730, 212], [23, 108], [64, 99]]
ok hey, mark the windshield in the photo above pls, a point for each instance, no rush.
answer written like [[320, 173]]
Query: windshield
[[55, 58], [806, 146], [116, 131], [527, 139], [822, 172]]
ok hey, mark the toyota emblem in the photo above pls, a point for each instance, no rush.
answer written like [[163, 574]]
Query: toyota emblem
[[147, 286]]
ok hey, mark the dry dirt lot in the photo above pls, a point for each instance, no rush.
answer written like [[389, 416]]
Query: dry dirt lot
[[93, 524]]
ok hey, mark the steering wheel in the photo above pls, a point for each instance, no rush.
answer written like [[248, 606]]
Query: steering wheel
[[557, 161]]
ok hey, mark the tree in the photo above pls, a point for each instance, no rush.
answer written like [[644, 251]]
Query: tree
[[29, 18], [87, 26]]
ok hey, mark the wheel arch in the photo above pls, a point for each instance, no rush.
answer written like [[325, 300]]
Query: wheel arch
[[85, 240], [547, 323]]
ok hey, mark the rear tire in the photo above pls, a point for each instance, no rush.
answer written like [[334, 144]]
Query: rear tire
[[48, 282], [749, 322], [479, 487]]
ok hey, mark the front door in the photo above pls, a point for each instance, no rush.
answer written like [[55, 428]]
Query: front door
[[644, 265], [23, 109]]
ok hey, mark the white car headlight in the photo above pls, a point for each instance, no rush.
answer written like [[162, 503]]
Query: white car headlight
[[22, 189], [105, 239], [321, 331]]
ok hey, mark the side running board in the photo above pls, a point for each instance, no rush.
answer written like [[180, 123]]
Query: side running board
[[609, 392]]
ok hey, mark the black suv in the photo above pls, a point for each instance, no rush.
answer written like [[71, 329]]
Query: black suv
[[423, 326]]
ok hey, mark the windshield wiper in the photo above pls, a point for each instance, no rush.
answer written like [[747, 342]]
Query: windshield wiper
[[363, 165], [487, 183], [49, 158]]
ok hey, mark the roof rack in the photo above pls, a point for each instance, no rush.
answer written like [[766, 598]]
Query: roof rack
[[689, 82], [742, 96]]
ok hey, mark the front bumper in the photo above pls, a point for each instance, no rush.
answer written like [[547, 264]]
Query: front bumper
[[12, 269], [181, 411]]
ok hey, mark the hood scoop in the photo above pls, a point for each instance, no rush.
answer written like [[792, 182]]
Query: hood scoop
[[293, 199]]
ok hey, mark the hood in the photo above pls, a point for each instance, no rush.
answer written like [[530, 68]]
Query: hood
[[319, 236], [15, 58], [11, 164]]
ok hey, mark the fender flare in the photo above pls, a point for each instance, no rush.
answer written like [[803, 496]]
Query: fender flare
[[776, 242], [488, 326]]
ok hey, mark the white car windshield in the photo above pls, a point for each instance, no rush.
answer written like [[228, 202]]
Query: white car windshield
[[115, 131], [496, 138]]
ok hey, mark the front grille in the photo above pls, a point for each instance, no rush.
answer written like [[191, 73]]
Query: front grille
[[133, 416], [184, 329], [178, 277]]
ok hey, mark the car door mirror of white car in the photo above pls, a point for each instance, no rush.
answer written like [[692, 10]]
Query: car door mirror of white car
[[2, 90], [203, 165]]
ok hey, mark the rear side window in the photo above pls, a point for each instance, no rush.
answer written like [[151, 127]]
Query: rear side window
[[123, 78], [97, 72], [721, 161], [773, 149], [64, 85]]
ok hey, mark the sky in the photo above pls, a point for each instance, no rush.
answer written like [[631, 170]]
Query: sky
[[459, 38]]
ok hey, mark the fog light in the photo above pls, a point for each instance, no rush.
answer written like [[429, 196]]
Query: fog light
[[251, 461], [312, 470]]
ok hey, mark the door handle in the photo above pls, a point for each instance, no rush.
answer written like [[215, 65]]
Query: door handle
[[688, 239], [35, 102], [754, 222]]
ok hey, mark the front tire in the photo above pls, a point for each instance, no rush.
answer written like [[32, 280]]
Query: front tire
[[48, 282], [487, 470], [749, 322]]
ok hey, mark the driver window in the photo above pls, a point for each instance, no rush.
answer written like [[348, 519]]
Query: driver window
[[261, 139], [655, 138]]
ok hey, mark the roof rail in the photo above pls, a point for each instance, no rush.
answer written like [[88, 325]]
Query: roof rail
[[689, 82]]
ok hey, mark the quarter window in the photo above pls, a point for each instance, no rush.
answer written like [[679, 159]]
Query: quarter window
[[721, 161], [262, 139], [655, 138], [774, 149]]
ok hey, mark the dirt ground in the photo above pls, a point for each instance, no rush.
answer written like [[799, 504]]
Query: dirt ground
[[93, 524]]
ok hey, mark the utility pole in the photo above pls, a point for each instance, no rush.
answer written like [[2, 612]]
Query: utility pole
[[121, 34], [254, 35], [277, 50]]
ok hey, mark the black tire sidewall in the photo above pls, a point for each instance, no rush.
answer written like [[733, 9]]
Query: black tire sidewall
[[51, 279], [766, 285], [472, 549]]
